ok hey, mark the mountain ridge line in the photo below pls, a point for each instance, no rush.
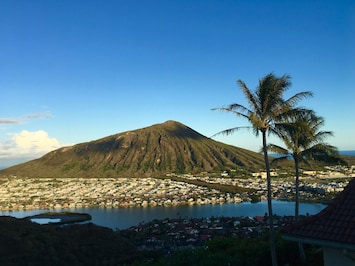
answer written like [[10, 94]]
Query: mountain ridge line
[[169, 147]]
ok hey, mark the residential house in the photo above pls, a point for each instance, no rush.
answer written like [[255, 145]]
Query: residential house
[[263, 175], [333, 229]]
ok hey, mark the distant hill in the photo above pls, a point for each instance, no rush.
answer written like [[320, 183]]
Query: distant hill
[[151, 151]]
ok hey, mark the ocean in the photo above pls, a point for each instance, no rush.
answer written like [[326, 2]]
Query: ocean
[[350, 152]]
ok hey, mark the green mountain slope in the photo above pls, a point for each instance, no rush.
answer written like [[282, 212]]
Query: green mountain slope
[[151, 151]]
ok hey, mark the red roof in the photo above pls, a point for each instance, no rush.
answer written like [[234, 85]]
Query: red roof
[[334, 225], [260, 218]]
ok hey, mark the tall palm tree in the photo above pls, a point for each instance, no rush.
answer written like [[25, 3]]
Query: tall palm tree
[[266, 107], [304, 141]]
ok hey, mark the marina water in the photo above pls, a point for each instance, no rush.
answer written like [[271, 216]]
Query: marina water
[[122, 218]]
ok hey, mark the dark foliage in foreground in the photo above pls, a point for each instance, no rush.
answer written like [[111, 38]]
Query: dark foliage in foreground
[[27, 243], [235, 251]]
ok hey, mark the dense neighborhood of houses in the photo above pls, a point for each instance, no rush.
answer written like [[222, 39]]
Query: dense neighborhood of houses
[[338, 171], [47, 193], [173, 234]]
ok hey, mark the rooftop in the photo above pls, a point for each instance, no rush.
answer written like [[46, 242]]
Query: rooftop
[[333, 226]]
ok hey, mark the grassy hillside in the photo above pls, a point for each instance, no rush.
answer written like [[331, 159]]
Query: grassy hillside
[[151, 151]]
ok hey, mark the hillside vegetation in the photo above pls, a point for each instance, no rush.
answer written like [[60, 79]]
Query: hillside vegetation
[[170, 147], [27, 243]]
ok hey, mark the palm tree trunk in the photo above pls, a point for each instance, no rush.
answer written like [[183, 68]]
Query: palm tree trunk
[[297, 187], [269, 203], [302, 253], [297, 208]]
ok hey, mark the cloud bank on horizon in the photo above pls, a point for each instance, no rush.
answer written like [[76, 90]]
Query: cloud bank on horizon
[[18, 147], [28, 144]]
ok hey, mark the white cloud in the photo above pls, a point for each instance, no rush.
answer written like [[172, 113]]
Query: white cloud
[[36, 142], [30, 144]]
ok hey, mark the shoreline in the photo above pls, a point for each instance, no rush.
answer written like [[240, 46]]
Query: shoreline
[[88, 207], [121, 206]]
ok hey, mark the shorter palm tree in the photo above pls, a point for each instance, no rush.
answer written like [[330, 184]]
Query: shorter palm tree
[[304, 142]]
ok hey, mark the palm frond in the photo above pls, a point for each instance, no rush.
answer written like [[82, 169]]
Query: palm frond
[[323, 152], [282, 83], [271, 92], [292, 114], [277, 149], [230, 131], [249, 95], [292, 101], [230, 110], [280, 159]]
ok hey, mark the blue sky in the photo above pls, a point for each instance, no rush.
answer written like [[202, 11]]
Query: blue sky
[[74, 71]]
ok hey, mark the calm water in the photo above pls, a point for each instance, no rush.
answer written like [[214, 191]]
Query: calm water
[[349, 152], [124, 218]]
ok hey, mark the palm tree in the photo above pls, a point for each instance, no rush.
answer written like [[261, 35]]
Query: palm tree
[[266, 108], [304, 142]]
